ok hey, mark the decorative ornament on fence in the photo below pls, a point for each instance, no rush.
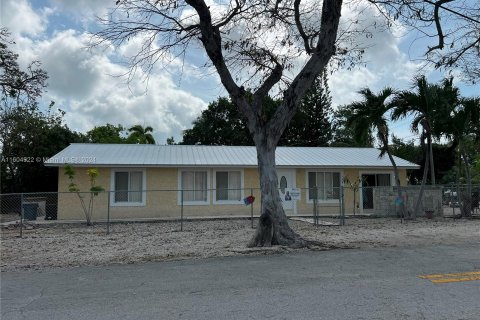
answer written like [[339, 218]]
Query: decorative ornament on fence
[[249, 200], [401, 200]]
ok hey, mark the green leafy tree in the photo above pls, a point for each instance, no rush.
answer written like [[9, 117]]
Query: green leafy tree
[[463, 129], [444, 158], [87, 206], [219, 124], [140, 135], [311, 126], [33, 137], [343, 135], [108, 133], [476, 169]]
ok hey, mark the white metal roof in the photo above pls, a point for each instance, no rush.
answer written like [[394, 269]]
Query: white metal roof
[[141, 155]]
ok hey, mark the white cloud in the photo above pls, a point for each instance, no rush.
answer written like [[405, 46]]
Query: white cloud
[[19, 17], [74, 72], [25, 25], [384, 64], [81, 82], [166, 108], [84, 11]]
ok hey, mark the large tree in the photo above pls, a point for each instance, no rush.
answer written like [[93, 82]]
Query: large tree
[[258, 47], [34, 136], [107, 133], [219, 124], [343, 135], [311, 126]]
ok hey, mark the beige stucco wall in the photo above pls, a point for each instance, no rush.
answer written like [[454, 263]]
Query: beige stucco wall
[[162, 201], [69, 205]]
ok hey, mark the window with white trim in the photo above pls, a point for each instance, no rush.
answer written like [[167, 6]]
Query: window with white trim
[[228, 186], [194, 185], [323, 186], [128, 186]]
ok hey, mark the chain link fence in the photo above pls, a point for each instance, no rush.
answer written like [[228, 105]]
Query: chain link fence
[[333, 205], [461, 201]]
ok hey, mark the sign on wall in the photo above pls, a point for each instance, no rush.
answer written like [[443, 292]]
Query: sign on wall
[[292, 194]]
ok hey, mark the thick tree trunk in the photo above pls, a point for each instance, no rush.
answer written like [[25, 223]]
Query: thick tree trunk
[[273, 228], [422, 187], [459, 198], [467, 201], [432, 167]]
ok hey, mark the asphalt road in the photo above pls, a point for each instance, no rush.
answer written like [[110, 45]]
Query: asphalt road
[[380, 283]]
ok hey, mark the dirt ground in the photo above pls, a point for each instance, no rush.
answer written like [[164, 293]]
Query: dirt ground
[[71, 245]]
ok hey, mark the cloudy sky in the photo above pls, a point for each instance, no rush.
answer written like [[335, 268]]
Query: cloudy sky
[[86, 83]]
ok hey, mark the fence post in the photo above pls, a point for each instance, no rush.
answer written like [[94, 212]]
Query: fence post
[[342, 207], [315, 203], [251, 207], [108, 212], [21, 215], [181, 210], [404, 202]]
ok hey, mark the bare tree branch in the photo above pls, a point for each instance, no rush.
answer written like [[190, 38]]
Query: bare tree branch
[[438, 25]]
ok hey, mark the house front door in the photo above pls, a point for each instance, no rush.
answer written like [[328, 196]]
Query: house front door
[[286, 179]]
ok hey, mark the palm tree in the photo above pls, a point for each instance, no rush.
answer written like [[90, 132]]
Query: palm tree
[[141, 135], [463, 128], [428, 105], [367, 116]]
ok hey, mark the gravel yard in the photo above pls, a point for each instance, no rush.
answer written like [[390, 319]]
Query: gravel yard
[[69, 245]]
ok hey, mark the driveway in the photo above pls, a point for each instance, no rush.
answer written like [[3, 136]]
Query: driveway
[[379, 283]]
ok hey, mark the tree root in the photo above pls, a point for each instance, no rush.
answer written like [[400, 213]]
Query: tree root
[[269, 233]]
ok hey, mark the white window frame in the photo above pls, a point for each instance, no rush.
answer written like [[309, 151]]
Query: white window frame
[[242, 186], [179, 195], [126, 203], [316, 170]]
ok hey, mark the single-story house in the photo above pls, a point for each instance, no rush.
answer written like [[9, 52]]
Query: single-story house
[[156, 181]]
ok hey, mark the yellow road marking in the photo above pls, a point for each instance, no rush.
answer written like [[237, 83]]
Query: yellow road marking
[[431, 276], [452, 277], [447, 280]]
